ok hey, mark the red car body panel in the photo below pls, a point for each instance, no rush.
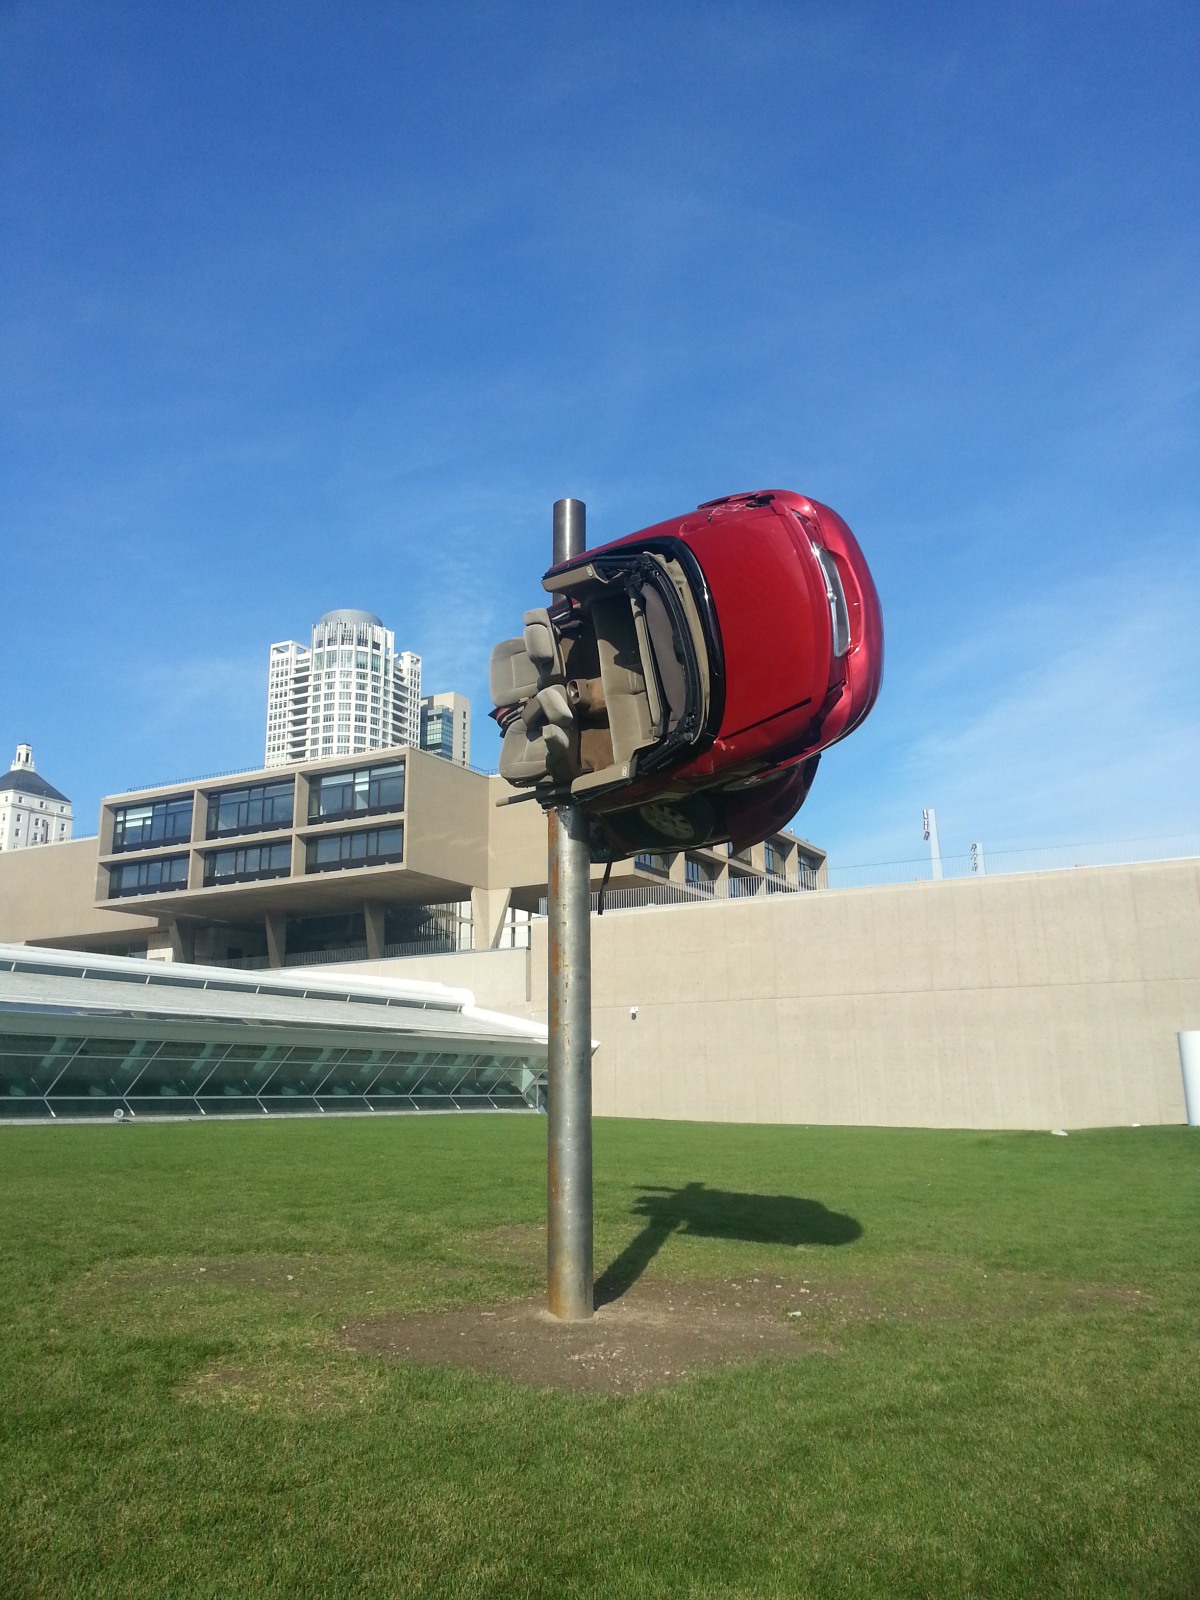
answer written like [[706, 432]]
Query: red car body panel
[[787, 696], [753, 574]]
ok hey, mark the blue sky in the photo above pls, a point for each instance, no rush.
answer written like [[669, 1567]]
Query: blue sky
[[315, 305]]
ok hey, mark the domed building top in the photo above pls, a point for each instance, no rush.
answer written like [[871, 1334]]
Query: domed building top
[[368, 618], [22, 776], [347, 691]]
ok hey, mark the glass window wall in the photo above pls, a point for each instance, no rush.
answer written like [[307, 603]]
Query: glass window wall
[[156, 822], [148, 877], [337, 795], [253, 809], [368, 847], [74, 1075], [248, 864]]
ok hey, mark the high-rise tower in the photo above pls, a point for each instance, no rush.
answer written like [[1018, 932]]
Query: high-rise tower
[[350, 690], [446, 727]]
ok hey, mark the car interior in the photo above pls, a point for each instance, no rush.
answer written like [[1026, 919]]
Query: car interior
[[612, 674]]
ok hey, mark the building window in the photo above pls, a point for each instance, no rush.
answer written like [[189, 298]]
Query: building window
[[369, 847], [148, 877], [358, 793], [248, 864], [159, 822], [697, 875], [773, 857], [647, 861], [253, 809]]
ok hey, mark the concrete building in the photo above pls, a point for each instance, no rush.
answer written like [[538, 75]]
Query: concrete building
[[721, 989], [32, 811], [396, 853], [446, 727], [348, 691]]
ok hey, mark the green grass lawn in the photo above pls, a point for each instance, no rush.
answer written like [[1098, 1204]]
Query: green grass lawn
[[1006, 1403]]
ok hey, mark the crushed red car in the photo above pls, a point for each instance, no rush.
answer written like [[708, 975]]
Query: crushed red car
[[683, 681]]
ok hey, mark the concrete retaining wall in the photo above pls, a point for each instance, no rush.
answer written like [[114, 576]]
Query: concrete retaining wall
[[1045, 1000]]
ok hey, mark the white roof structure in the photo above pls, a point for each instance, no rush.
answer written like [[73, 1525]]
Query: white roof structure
[[88, 1035]]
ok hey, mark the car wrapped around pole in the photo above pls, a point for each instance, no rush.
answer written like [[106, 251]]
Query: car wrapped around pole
[[682, 682]]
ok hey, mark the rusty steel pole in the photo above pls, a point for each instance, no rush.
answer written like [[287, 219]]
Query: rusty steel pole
[[569, 996]]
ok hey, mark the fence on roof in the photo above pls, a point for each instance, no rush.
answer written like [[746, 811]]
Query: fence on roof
[[983, 862]]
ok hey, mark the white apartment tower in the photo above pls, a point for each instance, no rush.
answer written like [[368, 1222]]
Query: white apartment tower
[[350, 690], [31, 810]]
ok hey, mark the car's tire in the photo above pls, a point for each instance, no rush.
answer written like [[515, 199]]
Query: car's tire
[[676, 823]]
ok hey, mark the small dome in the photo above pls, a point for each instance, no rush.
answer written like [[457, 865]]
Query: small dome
[[367, 618], [24, 780]]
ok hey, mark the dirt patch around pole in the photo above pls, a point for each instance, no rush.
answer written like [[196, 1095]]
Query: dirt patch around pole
[[656, 1333]]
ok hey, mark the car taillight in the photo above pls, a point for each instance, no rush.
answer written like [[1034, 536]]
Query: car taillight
[[839, 611]]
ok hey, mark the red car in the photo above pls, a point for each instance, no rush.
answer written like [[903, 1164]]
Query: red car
[[684, 680]]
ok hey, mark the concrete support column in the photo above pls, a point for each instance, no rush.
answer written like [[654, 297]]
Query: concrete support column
[[373, 915], [276, 924], [299, 822], [195, 877], [183, 940], [489, 913]]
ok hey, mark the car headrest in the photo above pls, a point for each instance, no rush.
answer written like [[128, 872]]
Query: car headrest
[[512, 676], [540, 644]]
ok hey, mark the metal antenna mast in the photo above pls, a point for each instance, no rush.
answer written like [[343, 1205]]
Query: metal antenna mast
[[929, 819]]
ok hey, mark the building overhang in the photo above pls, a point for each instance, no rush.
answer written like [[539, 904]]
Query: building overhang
[[312, 894]]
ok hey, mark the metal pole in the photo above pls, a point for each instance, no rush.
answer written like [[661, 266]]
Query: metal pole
[[569, 993], [1189, 1060], [935, 850]]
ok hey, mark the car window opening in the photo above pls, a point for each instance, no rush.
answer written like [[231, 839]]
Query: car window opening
[[605, 681]]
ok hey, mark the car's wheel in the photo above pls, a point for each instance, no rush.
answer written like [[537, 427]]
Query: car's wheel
[[678, 822]]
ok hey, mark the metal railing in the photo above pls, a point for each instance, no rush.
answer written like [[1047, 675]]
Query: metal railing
[[317, 958], [983, 862], [355, 757], [339, 953], [680, 894], [186, 783], [424, 947]]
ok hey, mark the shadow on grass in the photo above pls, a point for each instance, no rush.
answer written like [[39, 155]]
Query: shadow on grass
[[719, 1214]]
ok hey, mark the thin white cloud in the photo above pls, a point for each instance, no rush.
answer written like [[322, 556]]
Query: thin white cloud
[[1075, 717], [212, 707]]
